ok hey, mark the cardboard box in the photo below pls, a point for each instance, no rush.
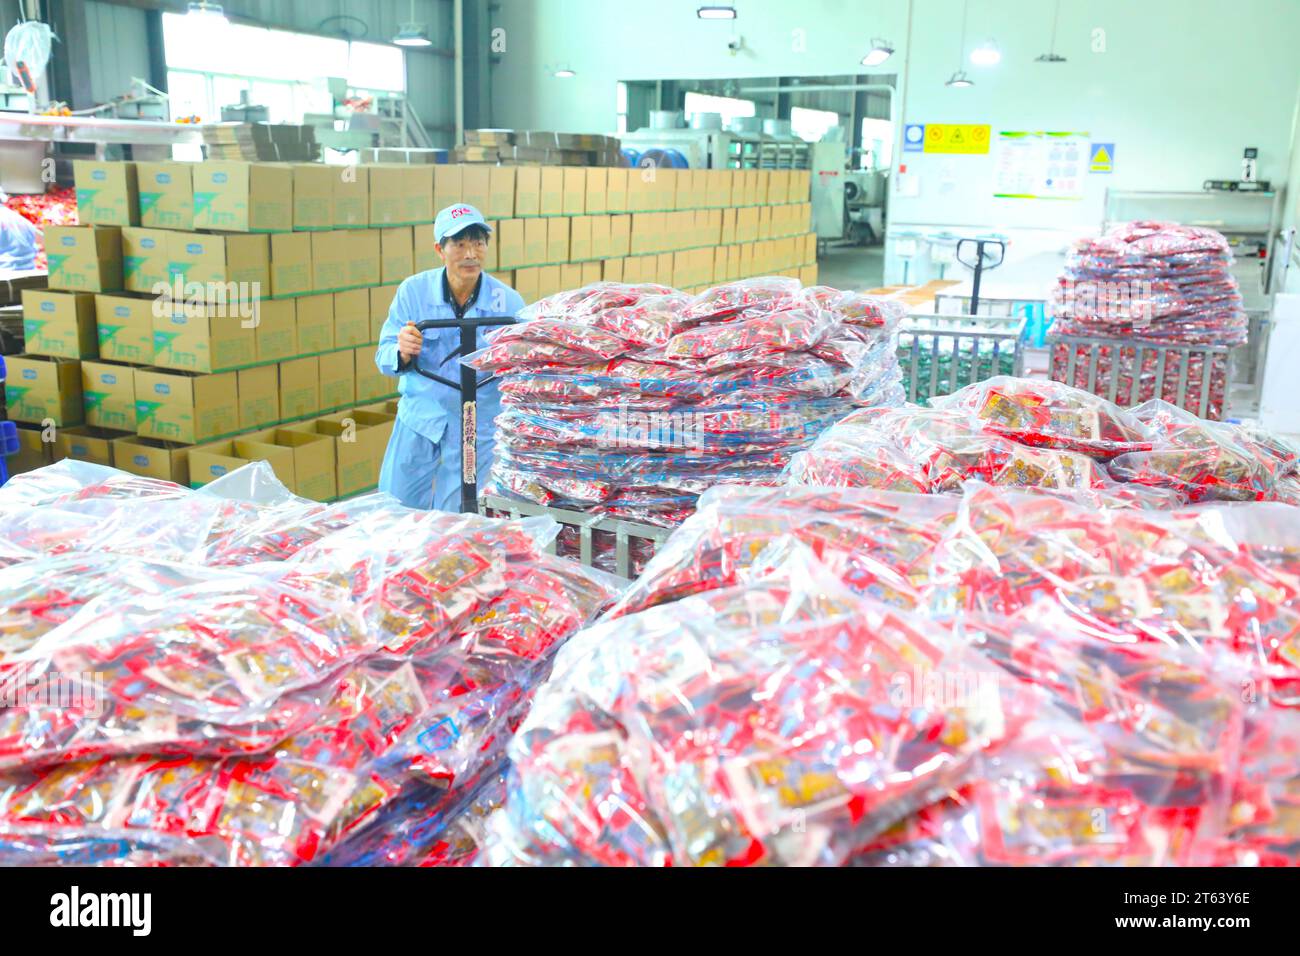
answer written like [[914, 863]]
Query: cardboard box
[[712, 227], [684, 193], [194, 337], [575, 190], [489, 261], [509, 241], [397, 254], [144, 259], [124, 328], [331, 259], [381, 299], [108, 395], [387, 189], [351, 198], [747, 260], [612, 270], [259, 396], [315, 325], [548, 281], [808, 274], [800, 185], [747, 224], [557, 239], [600, 244], [243, 197], [501, 192], [86, 443], [166, 194], [59, 324], [664, 269], [681, 278], [426, 256], [216, 459], [371, 383], [570, 276], [351, 318], [448, 185], [535, 242], [527, 284], [365, 256], [528, 190], [313, 195], [551, 200], [580, 238], [476, 187], [84, 258], [718, 273], [764, 222], [418, 205], [313, 460], [152, 458], [276, 335], [40, 389], [664, 188], [107, 193], [338, 379], [596, 186], [33, 451], [232, 269], [616, 180], [620, 236], [300, 387], [291, 272], [183, 407], [728, 232], [360, 439], [733, 263], [591, 272]]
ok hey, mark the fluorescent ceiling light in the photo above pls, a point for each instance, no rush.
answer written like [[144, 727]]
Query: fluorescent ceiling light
[[960, 79], [412, 34], [716, 13], [565, 73], [1049, 58], [986, 55], [211, 11], [881, 50]]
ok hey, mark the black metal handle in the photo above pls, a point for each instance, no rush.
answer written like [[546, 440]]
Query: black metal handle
[[468, 387], [979, 265]]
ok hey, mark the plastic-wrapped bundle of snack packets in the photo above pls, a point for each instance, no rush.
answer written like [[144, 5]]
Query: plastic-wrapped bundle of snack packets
[[1153, 658], [360, 655], [630, 401], [1150, 282]]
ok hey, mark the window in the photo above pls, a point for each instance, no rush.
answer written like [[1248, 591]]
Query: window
[[620, 107], [209, 64], [811, 125], [729, 108], [877, 143]]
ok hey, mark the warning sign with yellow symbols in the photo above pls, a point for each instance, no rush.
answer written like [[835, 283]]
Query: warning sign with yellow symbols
[[956, 138]]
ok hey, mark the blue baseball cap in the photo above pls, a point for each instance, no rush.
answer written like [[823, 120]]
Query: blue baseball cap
[[454, 219]]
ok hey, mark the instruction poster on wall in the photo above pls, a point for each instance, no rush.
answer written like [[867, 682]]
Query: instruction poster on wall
[[1040, 165]]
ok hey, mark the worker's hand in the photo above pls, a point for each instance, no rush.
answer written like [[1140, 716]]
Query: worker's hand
[[409, 342]]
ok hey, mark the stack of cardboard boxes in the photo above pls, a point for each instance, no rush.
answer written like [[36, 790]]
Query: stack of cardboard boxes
[[276, 279], [203, 305]]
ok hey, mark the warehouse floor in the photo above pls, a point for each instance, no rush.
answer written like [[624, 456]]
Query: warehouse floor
[[852, 267]]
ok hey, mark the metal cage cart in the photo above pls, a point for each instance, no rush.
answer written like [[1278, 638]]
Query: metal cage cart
[[940, 354], [588, 532], [1129, 371]]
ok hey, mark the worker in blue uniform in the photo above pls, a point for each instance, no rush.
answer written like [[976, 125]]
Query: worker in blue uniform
[[422, 467]]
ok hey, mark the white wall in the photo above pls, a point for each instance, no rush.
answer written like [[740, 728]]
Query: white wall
[[1182, 87]]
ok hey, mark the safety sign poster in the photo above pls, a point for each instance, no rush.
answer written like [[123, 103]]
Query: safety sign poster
[[1040, 165]]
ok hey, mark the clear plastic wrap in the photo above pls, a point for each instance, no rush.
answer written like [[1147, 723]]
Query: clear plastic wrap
[[1050, 415], [713, 730], [624, 401]]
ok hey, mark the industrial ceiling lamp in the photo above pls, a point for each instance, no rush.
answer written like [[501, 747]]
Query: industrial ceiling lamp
[[986, 55], [412, 33], [881, 50], [716, 12], [1051, 56], [210, 11], [959, 79], [564, 73]]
